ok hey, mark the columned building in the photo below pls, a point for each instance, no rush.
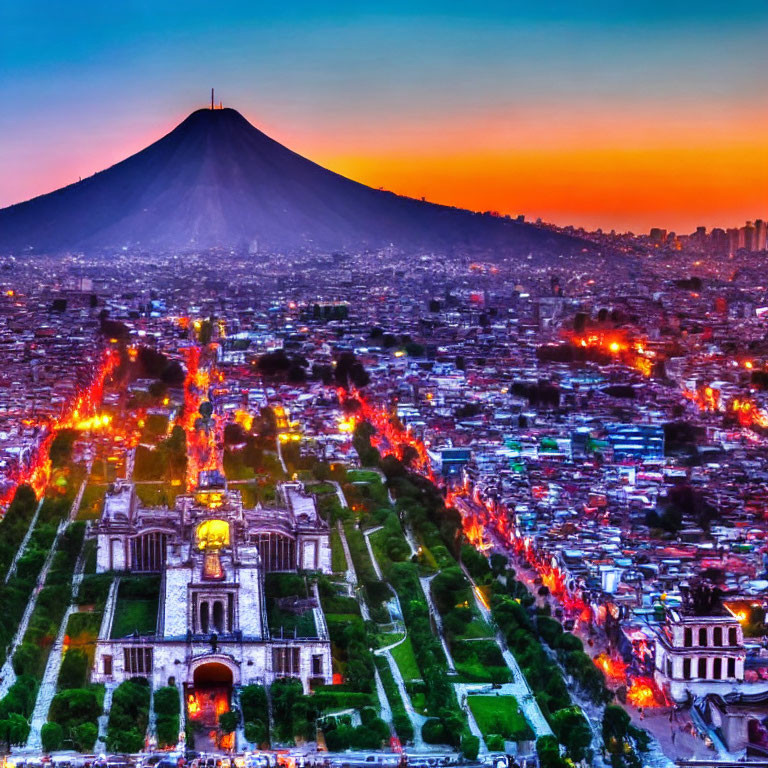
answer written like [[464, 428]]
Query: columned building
[[697, 655], [210, 556]]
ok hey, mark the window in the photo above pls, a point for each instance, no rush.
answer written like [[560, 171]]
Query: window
[[733, 636], [277, 551], [717, 636], [285, 661], [731, 668], [148, 552], [717, 669], [687, 637], [138, 661], [703, 636], [108, 666], [317, 664], [686, 669], [702, 668], [218, 616]]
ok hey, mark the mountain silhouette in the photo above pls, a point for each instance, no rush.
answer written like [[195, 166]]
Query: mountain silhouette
[[216, 181]]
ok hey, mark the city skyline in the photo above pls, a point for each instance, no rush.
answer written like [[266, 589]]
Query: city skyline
[[652, 116]]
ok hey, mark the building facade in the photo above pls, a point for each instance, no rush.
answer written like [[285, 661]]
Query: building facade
[[697, 655], [211, 556]]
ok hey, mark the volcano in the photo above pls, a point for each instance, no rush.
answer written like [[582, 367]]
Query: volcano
[[216, 181]]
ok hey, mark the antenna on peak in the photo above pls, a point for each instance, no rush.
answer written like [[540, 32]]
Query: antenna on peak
[[212, 107]]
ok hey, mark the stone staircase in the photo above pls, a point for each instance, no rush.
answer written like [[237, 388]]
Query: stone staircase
[[47, 688]]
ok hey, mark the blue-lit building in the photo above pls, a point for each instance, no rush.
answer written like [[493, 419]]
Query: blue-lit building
[[636, 441], [453, 460]]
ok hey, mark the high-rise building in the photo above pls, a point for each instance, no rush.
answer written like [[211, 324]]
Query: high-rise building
[[749, 236], [735, 239], [761, 235], [718, 242]]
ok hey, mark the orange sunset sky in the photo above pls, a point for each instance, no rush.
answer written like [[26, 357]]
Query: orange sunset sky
[[607, 115]]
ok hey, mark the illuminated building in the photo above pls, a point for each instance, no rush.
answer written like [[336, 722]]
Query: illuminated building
[[636, 440], [211, 555], [698, 655]]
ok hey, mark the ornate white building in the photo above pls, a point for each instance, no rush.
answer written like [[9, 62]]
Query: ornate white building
[[697, 655], [211, 556]]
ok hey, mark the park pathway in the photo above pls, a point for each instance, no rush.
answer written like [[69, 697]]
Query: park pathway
[[24, 541], [435, 614], [101, 745], [47, 689], [7, 673], [351, 576]]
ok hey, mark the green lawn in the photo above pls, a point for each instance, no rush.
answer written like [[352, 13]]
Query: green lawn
[[419, 702], [136, 608], [155, 428], [338, 558], [363, 476], [406, 660], [500, 715], [134, 616], [480, 661], [339, 621], [158, 494], [285, 624], [92, 502], [319, 488], [476, 628]]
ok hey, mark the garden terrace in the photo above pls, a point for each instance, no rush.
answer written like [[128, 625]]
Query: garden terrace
[[136, 606], [500, 716]]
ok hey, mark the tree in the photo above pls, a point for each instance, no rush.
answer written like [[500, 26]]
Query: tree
[[60, 452], [433, 732], [234, 434], [167, 707], [206, 331], [350, 372], [253, 702], [573, 732], [84, 736], [52, 736], [228, 720], [470, 746], [74, 669], [498, 564], [15, 729], [256, 732], [615, 726], [548, 752]]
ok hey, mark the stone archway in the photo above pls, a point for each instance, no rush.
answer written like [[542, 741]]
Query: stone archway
[[210, 693], [212, 673]]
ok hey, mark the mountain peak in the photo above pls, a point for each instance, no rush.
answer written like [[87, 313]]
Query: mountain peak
[[217, 181]]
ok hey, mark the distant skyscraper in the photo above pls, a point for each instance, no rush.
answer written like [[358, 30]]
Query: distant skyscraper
[[749, 236], [735, 239], [761, 235], [719, 242]]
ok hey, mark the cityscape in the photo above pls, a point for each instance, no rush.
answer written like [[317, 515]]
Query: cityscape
[[301, 471]]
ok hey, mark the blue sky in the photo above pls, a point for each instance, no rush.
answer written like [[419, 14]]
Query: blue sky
[[362, 86]]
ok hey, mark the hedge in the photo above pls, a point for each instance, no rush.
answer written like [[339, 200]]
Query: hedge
[[166, 705], [128, 716], [400, 720], [77, 711]]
